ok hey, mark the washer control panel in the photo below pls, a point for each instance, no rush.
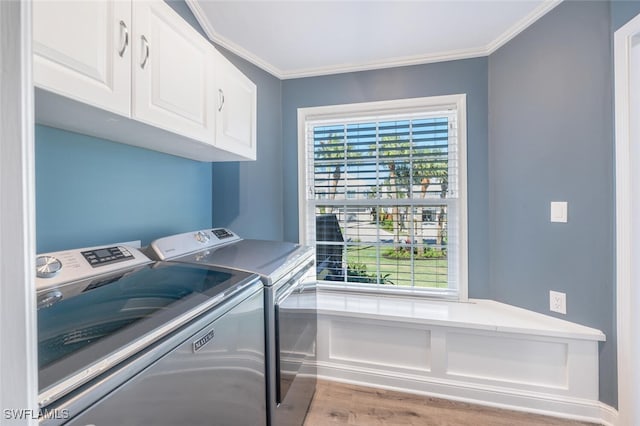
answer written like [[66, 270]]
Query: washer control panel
[[62, 267], [107, 255], [190, 242]]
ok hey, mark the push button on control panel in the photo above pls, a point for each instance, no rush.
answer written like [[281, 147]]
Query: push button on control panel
[[105, 256]]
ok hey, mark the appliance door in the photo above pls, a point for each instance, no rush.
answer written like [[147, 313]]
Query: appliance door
[[214, 377], [295, 341], [112, 319]]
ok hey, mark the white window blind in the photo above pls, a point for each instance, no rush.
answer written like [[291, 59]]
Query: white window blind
[[382, 199]]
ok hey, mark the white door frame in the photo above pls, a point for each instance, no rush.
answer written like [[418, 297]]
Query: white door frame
[[627, 143], [18, 348]]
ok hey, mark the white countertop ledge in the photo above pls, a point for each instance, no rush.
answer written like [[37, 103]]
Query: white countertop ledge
[[479, 314]]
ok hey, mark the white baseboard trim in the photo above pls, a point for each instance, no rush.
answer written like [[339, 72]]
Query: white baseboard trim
[[608, 415], [512, 399]]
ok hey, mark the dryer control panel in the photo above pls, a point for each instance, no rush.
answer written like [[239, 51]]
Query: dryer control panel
[[190, 242]]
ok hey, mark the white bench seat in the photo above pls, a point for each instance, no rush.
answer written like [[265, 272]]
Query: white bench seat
[[480, 351], [480, 314]]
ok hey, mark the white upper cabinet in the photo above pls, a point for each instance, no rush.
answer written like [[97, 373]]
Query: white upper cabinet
[[172, 73], [236, 110], [82, 51], [135, 72]]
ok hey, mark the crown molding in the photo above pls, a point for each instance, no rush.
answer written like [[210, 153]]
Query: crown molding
[[481, 51], [522, 25], [388, 63], [197, 11]]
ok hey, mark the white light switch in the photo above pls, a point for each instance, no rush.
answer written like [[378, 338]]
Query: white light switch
[[559, 211]]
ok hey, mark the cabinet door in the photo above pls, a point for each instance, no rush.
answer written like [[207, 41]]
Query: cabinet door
[[82, 51], [236, 110], [172, 73]]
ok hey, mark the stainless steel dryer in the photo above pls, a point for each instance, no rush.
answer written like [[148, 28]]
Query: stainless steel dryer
[[123, 340], [287, 272]]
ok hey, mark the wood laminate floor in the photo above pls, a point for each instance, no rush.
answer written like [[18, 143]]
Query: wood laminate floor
[[342, 404]]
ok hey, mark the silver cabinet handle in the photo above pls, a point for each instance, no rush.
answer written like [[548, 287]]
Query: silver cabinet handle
[[124, 37], [145, 44], [221, 97]]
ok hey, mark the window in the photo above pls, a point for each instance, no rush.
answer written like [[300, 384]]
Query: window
[[383, 194]]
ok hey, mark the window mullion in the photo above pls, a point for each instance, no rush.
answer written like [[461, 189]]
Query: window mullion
[[378, 196], [411, 208], [345, 247]]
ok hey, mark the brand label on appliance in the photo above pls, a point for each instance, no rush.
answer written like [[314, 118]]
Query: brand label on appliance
[[201, 342]]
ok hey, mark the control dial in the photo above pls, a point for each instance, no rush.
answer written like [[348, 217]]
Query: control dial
[[47, 266], [202, 237]]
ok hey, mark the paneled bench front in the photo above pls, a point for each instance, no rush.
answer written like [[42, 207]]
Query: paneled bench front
[[480, 351]]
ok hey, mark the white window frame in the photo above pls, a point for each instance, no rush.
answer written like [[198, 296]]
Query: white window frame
[[367, 109]]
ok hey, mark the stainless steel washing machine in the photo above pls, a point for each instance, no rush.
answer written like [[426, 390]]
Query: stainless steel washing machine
[[124, 340], [287, 272]]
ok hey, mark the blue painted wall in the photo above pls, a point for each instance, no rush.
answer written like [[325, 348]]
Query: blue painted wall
[[445, 78], [551, 139], [92, 191], [622, 11]]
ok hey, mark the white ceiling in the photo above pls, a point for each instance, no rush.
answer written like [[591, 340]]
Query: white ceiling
[[302, 38]]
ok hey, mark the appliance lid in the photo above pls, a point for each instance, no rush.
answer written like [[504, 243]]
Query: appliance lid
[[270, 259], [110, 318]]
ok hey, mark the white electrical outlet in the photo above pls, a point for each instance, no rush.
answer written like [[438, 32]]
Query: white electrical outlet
[[558, 302]]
